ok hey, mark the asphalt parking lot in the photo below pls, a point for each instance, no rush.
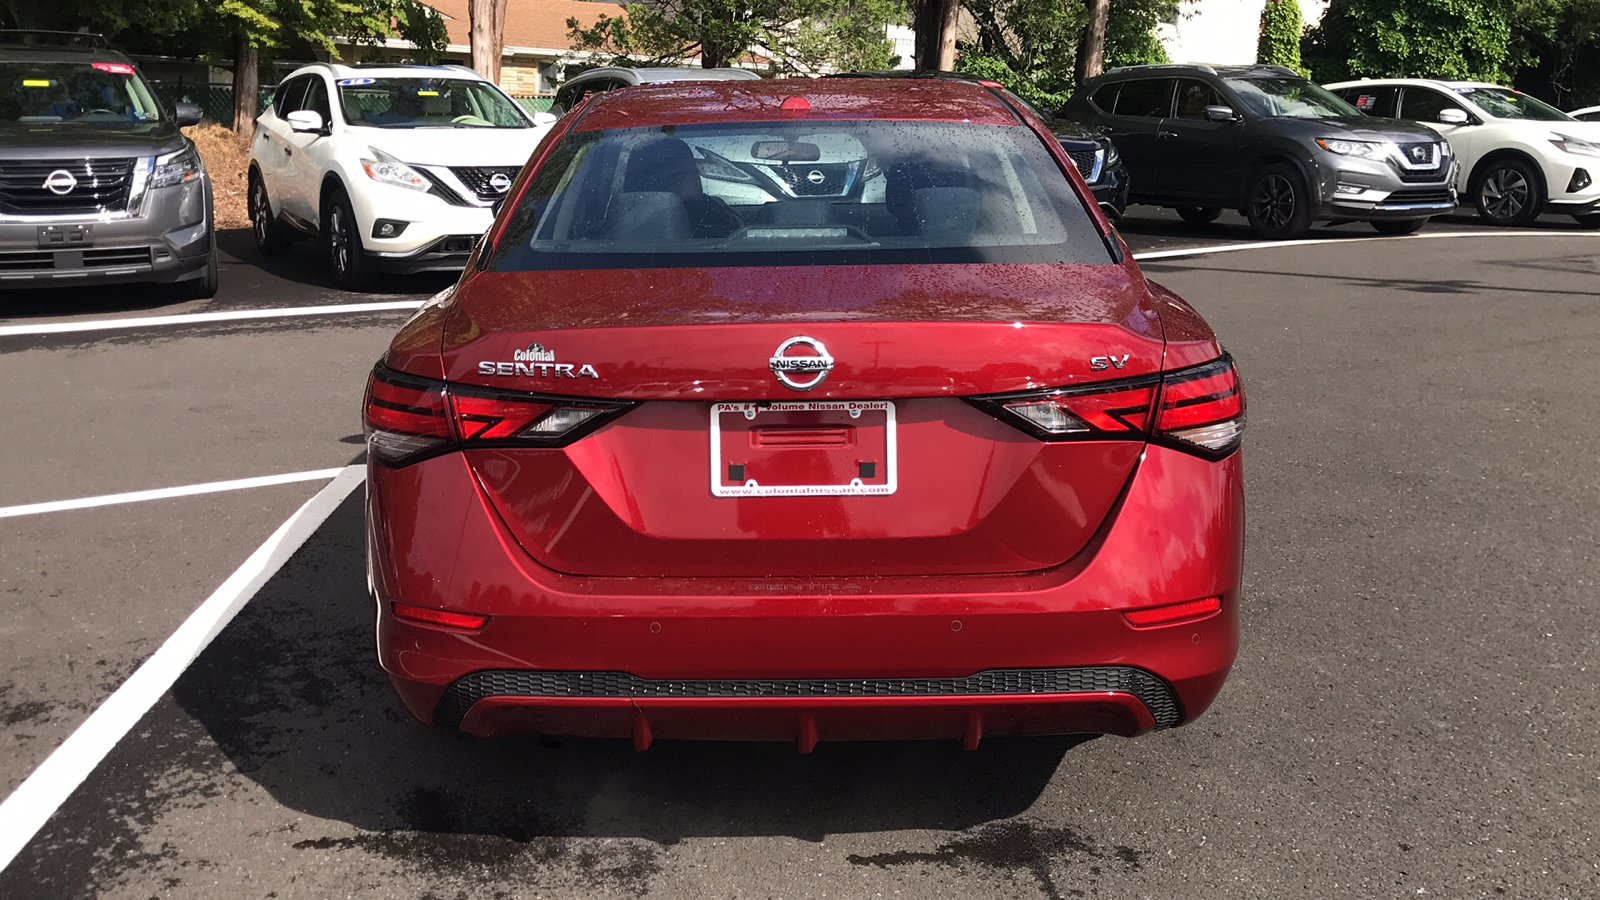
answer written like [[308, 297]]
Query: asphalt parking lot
[[1414, 711]]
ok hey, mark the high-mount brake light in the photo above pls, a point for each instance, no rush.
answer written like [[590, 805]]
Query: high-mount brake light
[[408, 418], [1199, 409], [113, 68]]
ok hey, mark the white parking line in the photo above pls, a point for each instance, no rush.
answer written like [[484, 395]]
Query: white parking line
[[1152, 255], [236, 315], [37, 798], [210, 487]]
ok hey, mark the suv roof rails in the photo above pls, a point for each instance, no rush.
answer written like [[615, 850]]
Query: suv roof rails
[[55, 40], [1186, 67]]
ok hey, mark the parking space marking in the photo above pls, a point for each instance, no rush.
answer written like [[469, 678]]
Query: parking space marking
[[1152, 255], [189, 490], [203, 318], [36, 799]]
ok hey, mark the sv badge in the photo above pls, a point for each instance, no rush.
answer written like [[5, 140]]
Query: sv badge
[[1102, 363]]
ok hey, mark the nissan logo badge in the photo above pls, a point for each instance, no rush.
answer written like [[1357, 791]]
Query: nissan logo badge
[[818, 363], [499, 182], [60, 182]]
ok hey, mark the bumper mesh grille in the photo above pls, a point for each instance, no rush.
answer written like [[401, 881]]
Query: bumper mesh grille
[[1084, 160], [480, 179], [1151, 690]]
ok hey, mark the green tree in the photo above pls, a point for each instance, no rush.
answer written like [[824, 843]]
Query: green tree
[[1561, 40], [1281, 27], [797, 35], [1449, 39]]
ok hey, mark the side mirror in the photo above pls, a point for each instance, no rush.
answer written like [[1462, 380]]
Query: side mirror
[[304, 121], [545, 119], [1452, 116], [1221, 114], [188, 114]]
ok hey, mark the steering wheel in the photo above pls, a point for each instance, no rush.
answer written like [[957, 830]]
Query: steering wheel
[[469, 119], [90, 112]]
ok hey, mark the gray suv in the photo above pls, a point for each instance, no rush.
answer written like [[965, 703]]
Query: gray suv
[[1267, 142], [97, 184]]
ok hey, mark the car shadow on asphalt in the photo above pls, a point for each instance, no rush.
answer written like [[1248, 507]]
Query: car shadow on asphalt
[[292, 694], [306, 264]]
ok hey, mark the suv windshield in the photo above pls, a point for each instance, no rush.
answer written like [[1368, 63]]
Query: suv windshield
[[1289, 97], [427, 103], [102, 93], [846, 193], [1508, 104]]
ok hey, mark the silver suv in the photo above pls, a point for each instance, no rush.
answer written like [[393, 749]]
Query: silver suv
[[97, 184], [1269, 143]]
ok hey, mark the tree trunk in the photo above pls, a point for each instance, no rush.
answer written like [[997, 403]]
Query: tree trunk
[[487, 36], [1092, 52], [935, 27], [246, 85]]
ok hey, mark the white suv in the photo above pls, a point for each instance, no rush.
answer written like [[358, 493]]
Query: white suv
[[394, 169], [1519, 156]]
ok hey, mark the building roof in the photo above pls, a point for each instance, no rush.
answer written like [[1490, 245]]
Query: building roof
[[540, 24], [693, 102]]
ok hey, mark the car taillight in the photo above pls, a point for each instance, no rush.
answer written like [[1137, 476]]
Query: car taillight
[[408, 418], [1199, 409]]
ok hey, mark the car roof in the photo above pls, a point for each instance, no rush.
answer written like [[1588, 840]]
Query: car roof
[[13, 53], [662, 74], [1429, 82], [341, 71], [1249, 71], [701, 102]]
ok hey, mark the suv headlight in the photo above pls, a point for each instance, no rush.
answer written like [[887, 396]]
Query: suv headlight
[[181, 167], [1363, 149], [1112, 156], [385, 169], [1575, 145]]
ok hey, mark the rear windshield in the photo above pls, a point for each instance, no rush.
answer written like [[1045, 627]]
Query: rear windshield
[[427, 103], [836, 193], [89, 93]]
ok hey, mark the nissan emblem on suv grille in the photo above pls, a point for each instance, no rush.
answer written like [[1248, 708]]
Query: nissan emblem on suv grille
[[819, 365]]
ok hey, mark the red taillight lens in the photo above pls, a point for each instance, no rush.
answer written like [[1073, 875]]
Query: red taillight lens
[[1203, 407], [1200, 409], [444, 617], [404, 417], [1174, 613], [407, 418], [113, 68]]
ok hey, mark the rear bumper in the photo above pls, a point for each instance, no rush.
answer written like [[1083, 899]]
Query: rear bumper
[[838, 658]]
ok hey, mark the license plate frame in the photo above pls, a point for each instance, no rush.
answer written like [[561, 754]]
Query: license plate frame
[[880, 486]]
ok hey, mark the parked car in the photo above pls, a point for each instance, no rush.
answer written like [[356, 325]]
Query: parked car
[[1267, 142], [1519, 156], [1094, 155], [393, 168], [1587, 114], [610, 78], [97, 184], [668, 463]]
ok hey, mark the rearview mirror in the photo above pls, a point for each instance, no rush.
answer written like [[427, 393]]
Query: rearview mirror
[[1221, 114], [544, 119], [187, 114], [1452, 116], [305, 121], [785, 151]]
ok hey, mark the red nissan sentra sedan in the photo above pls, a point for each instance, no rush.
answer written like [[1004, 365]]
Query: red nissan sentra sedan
[[804, 410]]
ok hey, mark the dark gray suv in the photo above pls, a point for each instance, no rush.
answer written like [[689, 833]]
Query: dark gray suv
[[1267, 142], [97, 184]]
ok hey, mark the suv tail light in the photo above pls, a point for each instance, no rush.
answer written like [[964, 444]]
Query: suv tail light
[[1199, 409], [407, 418]]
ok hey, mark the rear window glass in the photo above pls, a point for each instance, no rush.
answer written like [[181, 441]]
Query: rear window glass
[[844, 193], [1146, 99]]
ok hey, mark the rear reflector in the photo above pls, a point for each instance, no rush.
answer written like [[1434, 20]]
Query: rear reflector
[[1173, 614], [1199, 409], [407, 418], [442, 617]]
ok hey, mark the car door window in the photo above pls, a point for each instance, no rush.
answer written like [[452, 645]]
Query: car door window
[[1193, 98], [1105, 99], [316, 100], [1149, 99], [289, 96], [1374, 101], [1424, 104]]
